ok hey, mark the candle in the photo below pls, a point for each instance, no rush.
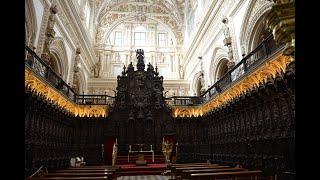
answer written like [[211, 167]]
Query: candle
[[163, 139]]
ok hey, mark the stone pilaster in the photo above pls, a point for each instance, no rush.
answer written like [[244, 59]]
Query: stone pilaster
[[49, 35]]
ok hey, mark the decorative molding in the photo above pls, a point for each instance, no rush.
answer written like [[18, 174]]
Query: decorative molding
[[203, 28], [269, 69], [31, 22], [256, 9], [35, 83], [43, 28], [58, 47]]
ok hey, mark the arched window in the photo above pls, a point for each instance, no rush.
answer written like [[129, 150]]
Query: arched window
[[140, 36]]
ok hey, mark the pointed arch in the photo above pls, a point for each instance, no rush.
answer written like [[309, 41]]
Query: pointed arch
[[219, 53], [196, 87], [60, 58], [255, 11]]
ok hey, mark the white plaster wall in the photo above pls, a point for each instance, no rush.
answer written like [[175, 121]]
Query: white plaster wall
[[38, 7], [238, 19]]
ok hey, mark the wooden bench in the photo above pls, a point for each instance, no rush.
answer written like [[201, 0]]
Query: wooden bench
[[193, 165], [70, 178], [231, 175], [200, 167], [84, 171], [186, 174], [91, 168], [176, 170], [186, 164], [108, 174]]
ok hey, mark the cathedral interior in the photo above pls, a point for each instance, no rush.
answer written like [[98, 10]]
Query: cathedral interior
[[160, 89]]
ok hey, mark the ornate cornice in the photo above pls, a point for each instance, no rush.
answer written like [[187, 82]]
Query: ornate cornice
[[270, 68], [77, 30], [281, 20], [45, 89], [203, 28]]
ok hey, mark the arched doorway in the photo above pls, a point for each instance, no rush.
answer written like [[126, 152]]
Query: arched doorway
[[222, 69]]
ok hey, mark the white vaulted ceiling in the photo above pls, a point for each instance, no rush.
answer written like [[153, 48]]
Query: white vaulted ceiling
[[111, 12]]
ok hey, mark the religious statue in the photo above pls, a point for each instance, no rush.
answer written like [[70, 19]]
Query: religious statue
[[167, 150], [202, 84], [228, 42], [95, 69], [114, 153], [77, 61], [226, 31], [181, 72]]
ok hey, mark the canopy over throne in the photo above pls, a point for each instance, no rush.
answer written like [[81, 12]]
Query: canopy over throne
[[139, 115]]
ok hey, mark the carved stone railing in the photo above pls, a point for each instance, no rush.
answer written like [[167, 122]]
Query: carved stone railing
[[43, 70], [251, 61]]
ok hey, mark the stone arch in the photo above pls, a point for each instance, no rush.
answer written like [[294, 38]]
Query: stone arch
[[108, 31], [259, 33], [257, 9], [219, 53], [60, 59], [30, 23], [221, 69], [196, 87]]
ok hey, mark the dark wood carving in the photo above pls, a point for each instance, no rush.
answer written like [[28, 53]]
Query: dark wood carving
[[139, 115], [256, 130]]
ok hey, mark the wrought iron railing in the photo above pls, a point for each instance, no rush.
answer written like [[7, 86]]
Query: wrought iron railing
[[183, 100], [264, 50], [42, 69], [261, 53], [94, 99]]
